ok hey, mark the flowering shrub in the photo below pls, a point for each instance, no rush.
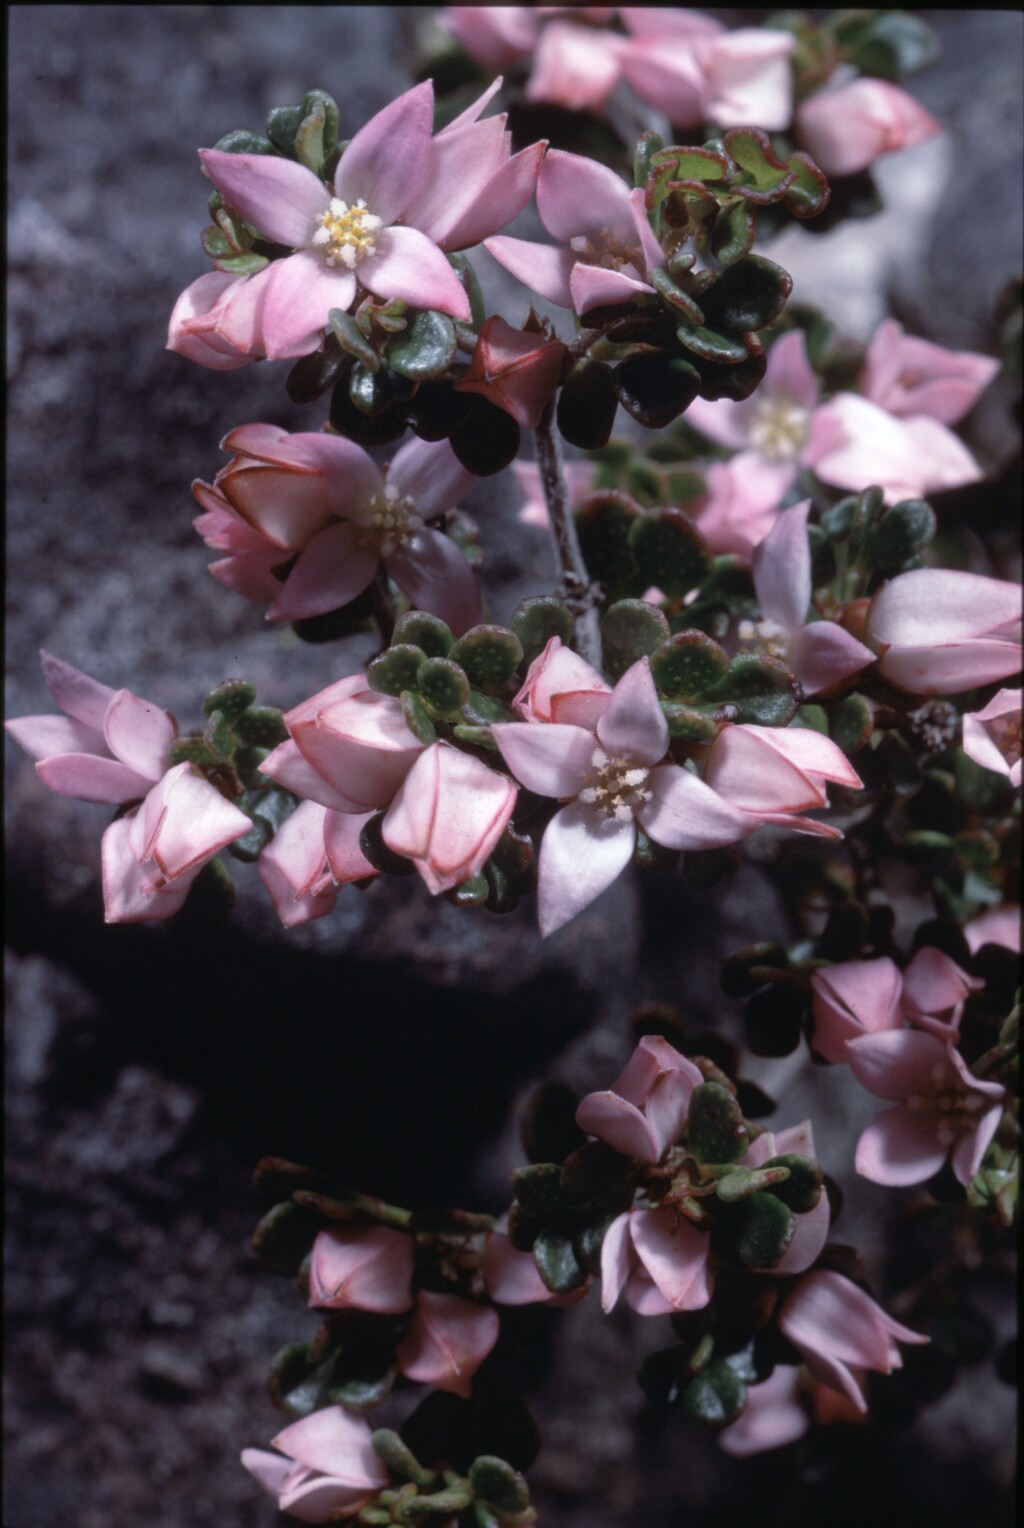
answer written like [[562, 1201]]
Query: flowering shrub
[[755, 609]]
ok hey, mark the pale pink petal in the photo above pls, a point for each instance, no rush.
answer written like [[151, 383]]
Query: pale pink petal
[[991, 736], [198, 821], [592, 286], [1000, 925], [269, 1469], [448, 816], [385, 162], [433, 572], [940, 605], [675, 1254], [930, 669], [686, 813], [286, 506], [297, 848], [541, 267], [847, 128], [336, 1442], [652, 1057], [581, 855], [250, 575], [560, 682], [772, 1417], [431, 474], [751, 78], [576, 195], [77, 695], [297, 295], [851, 999], [620, 1125], [665, 72], [329, 573], [790, 374], [89, 777], [139, 734], [511, 1276], [410, 266], [191, 330], [129, 892], [968, 1153], [617, 1260], [575, 66], [781, 566], [43, 737], [279, 197], [651, 250], [550, 759], [907, 375], [341, 841], [320, 1499], [751, 774], [362, 1268], [633, 725], [934, 985], [890, 1064], [271, 444], [854, 444], [290, 768], [809, 1237], [899, 1149], [824, 655], [447, 1342], [667, 1107]]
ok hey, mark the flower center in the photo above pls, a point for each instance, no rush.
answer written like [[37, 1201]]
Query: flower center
[[764, 637], [346, 234], [616, 787], [609, 250], [936, 724], [779, 429], [944, 1105], [387, 522]]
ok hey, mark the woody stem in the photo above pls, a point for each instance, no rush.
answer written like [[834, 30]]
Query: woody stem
[[574, 585]]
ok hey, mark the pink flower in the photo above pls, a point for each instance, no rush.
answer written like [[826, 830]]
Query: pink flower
[[742, 504], [560, 686], [576, 67], [152, 855], [853, 444], [607, 246], [851, 999], [658, 1260], [321, 501], [775, 773], [821, 653], [313, 853], [495, 35], [192, 331], [939, 631], [695, 72], [811, 1227], [448, 815], [447, 1342], [1000, 925], [398, 200], [848, 128], [331, 1470], [371, 1268], [934, 992], [108, 746], [992, 736], [942, 1110], [838, 1328], [612, 776], [771, 428], [907, 376], [644, 1111], [362, 1268], [772, 1417], [517, 371], [349, 749]]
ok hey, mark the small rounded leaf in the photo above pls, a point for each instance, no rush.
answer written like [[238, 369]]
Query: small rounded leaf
[[631, 629], [669, 550], [687, 664], [442, 686], [395, 670], [717, 1132]]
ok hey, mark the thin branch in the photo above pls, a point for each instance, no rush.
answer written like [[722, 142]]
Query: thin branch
[[574, 586]]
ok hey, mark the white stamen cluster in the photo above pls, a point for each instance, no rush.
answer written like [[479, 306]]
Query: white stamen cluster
[[764, 637], [387, 522], [609, 251], [779, 429], [346, 233], [616, 787], [945, 1106], [936, 723]]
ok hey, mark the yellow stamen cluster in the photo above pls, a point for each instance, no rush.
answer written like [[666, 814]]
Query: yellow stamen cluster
[[616, 787], [779, 429], [387, 522], [346, 233], [766, 637], [944, 1105]]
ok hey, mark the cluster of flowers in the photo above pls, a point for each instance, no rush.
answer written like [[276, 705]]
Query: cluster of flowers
[[695, 71], [656, 1254]]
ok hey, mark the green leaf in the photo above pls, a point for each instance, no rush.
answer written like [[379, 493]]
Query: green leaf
[[426, 349], [190, 750], [313, 374], [801, 1191], [377, 852], [603, 523], [242, 265], [851, 722], [888, 44], [773, 1020], [656, 388], [487, 440], [536, 620], [289, 1368], [488, 655], [283, 122], [428, 632], [687, 664], [395, 670], [710, 345], [750, 294], [231, 697], [557, 1264], [763, 689], [467, 275], [399, 1458], [717, 1131], [901, 532], [284, 1236], [630, 630], [812, 718], [587, 405], [417, 718], [759, 1229], [261, 727], [499, 1484], [716, 1396], [352, 339], [240, 141], [442, 686], [669, 551], [692, 724], [733, 233]]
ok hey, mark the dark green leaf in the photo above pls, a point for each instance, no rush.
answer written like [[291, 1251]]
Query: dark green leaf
[[687, 664], [630, 630], [717, 1132], [426, 349]]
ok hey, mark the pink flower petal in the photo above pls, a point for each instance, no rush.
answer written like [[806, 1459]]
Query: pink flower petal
[[781, 566], [633, 725], [617, 1260], [330, 572], [336, 1442], [129, 893], [195, 824], [43, 737], [139, 734], [362, 1268], [685, 813], [84, 699], [968, 1153], [899, 1149], [592, 286], [341, 841], [431, 474], [581, 855], [447, 1342], [297, 296], [448, 815], [433, 572], [550, 759], [890, 1064], [675, 1254], [824, 655], [286, 506], [408, 265], [576, 195], [385, 162], [294, 771], [620, 1125], [279, 197], [540, 267]]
